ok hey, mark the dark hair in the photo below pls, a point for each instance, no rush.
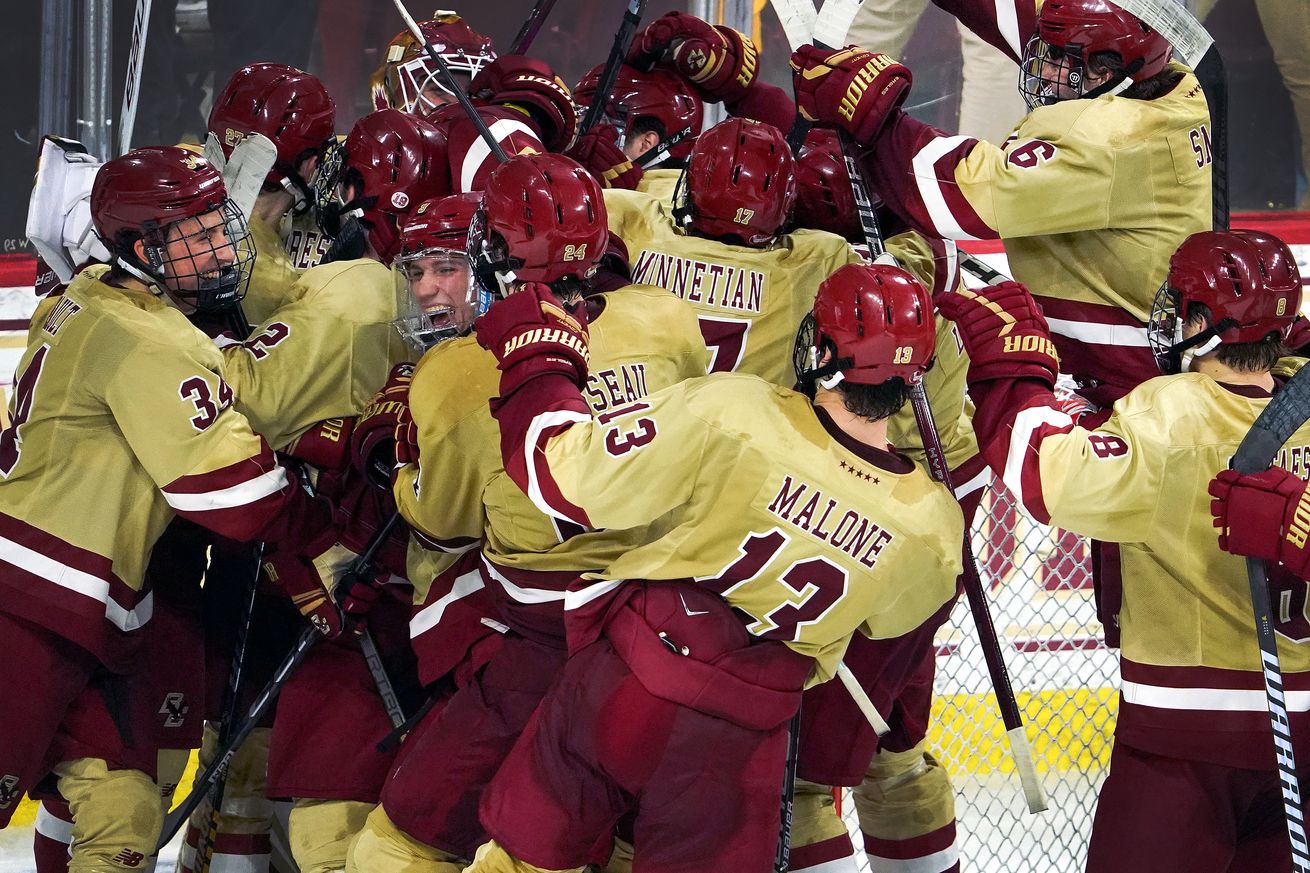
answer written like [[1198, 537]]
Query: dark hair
[[647, 124], [568, 287], [875, 402], [1256, 357], [1147, 89]]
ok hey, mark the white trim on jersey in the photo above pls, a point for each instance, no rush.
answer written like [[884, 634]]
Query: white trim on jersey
[[78, 581], [1209, 699], [430, 616], [1007, 22], [52, 827], [580, 597], [241, 494], [478, 153], [532, 457], [1100, 334], [923, 168], [967, 488], [937, 862], [523, 595], [1027, 421]]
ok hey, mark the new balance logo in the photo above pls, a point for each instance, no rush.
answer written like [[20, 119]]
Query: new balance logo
[[8, 790], [128, 858]]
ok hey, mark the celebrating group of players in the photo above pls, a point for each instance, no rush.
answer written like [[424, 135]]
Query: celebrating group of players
[[655, 494]]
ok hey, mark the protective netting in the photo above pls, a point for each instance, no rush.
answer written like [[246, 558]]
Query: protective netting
[[1066, 682]]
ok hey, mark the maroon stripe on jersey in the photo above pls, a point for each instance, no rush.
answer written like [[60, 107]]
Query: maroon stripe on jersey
[[451, 546], [912, 847], [1077, 310], [225, 477], [1207, 677], [961, 210], [946, 265], [550, 491], [64, 552], [546, 580], [982, 19]]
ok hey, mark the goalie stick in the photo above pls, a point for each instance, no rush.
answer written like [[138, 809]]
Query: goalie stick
[[1287, 411], [622, 39], [827, 28]]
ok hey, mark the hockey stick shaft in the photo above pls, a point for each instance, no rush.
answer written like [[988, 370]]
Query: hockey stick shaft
[[782, 858], [132, 87], [622, 39], [528, 32], [1284, 414], [862, 701], [661, 148], [448, 78], [1034, 793]]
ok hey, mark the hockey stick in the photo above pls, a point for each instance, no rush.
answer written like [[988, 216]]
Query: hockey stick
[[528, 32], [1287, 411], [448, 78], [782, 858], [862, 701], [622, 39], [661, 149], [361, 567], [1197, 49], [132, 87]]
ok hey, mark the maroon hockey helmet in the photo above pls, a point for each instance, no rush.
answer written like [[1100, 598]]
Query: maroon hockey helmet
[[289, 106], [408, 79], [542, 219], [437, 295], [1249, 281], [876, 319], [194, 241], [739, 183], [1070, 33], [392, 162], [823, 187], [659, 96]]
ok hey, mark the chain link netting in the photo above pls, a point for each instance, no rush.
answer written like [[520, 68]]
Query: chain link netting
[[1066, 682]]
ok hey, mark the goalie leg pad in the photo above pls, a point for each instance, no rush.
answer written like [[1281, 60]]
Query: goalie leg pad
[[820, 842], [246, 819], [116, 815], [907, 812], [381, 847]]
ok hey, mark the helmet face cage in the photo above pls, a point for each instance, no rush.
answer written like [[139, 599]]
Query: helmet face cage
[[1164, 331], [1039, 88], [493, 268], [326, 184], [411, 82], [805, 355], [209, 267], [424, 319]]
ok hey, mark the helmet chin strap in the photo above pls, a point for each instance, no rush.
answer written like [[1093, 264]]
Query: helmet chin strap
[[1201, 344]]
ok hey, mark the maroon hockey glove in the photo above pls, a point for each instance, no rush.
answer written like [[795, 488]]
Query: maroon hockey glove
[[1004, 332], [372, 443], [362, 509], [532, 334], [530, 86], [406, 436], [326, 444], [1263, 515], [599, 153], [720, 62], [306, 582], [853, 90]]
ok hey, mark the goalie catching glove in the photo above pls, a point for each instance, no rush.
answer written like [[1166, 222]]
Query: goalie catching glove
[[851, 89], [720, 62], [1004, 332], [1263, 515], [532, 334]]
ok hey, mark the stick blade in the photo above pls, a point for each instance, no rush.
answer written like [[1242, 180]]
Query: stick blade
[[834, 22], [1190, 40], [797, 18]]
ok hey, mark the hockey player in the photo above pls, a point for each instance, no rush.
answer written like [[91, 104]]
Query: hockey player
[[645, 111], [1092, 192], [1192, 784], [1259, 515], [409, 81], [296, 113], [542, 219], [114, 364], [688, 653], [721, 247]]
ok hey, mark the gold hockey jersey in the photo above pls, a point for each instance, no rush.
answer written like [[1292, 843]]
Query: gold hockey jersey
[[272, 279], [660, 184], [759, 497], [121, 417], [750, 302], [458, 497], [322, 356], [1192, 680]]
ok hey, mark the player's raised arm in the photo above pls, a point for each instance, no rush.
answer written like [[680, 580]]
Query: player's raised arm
[[1005, 24]]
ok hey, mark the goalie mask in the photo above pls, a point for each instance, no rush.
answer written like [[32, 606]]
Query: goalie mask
[[739, 184], [1074, 35], [875, 320], [438, 297], [542, 219], [1247, 279], [165, 217], [408, 79], [291, 108]]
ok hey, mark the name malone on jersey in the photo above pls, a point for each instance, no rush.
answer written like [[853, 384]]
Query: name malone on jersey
[[854, 534], [727, 287]]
